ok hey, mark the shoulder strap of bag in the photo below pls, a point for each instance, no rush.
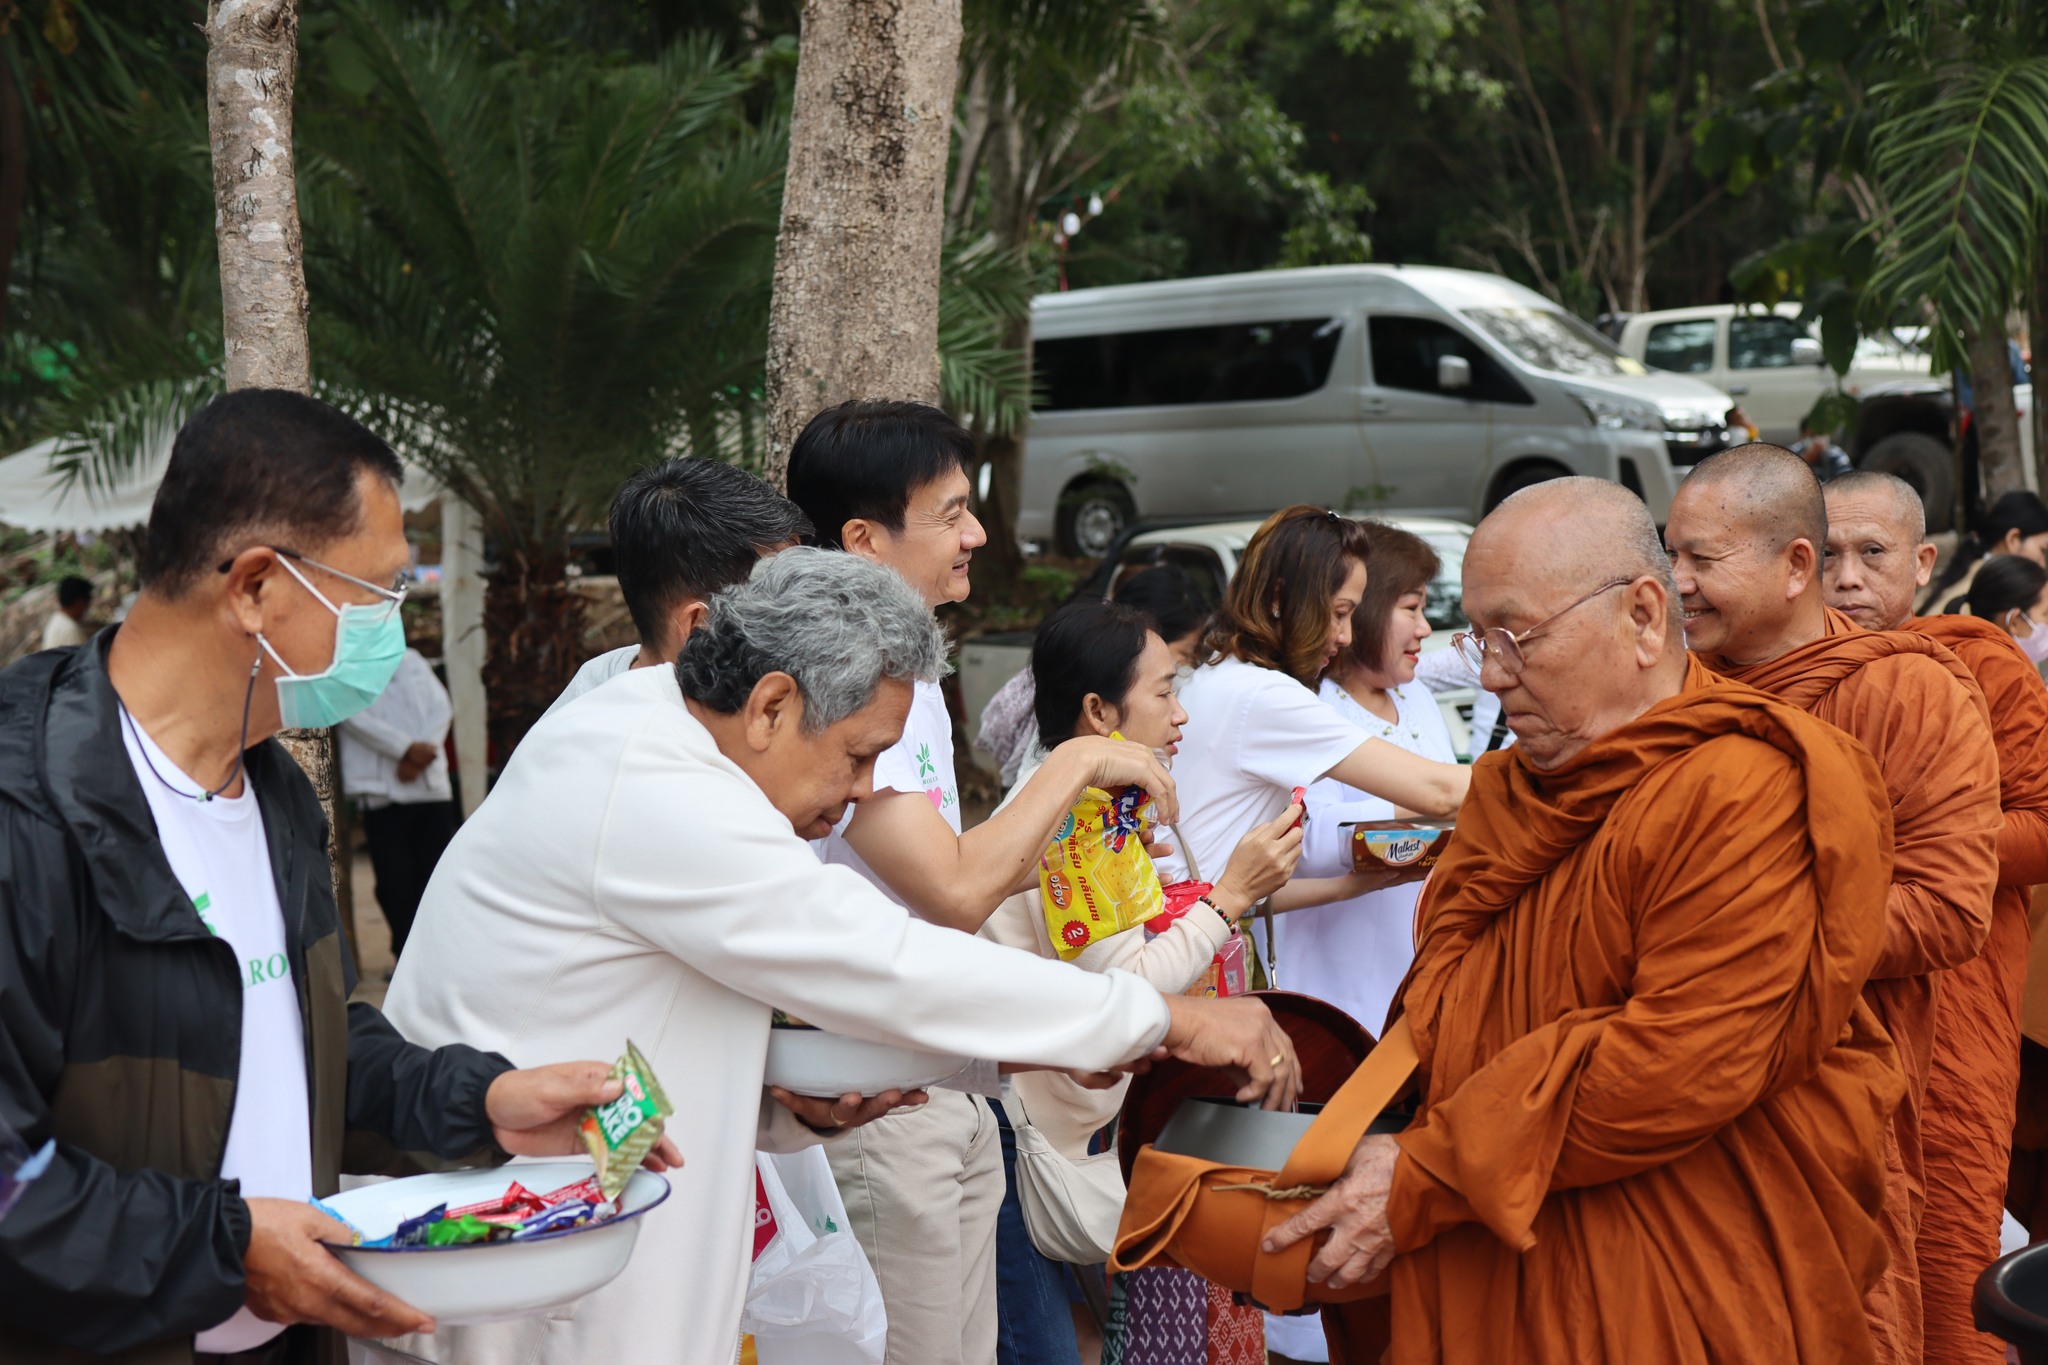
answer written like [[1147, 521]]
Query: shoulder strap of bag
[[1280, 1281], [1321, 1155]]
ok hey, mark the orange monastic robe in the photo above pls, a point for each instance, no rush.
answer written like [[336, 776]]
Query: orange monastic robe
[[1654, 1100], [1920, 713], [1966, 1131]]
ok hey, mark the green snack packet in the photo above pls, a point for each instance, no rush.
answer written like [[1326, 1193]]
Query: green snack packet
[[620, 1134], [455, 1232]]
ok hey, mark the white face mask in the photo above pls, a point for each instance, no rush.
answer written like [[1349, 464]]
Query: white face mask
[[2035, 641]]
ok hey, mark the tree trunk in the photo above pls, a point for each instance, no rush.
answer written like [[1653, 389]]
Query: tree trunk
[[2037, 337], [856, 305], [533, 633], [252, 56], [13, 177], [1996, 417]]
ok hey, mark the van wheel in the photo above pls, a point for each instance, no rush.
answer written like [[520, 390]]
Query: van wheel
[[1092, 515], [1520, 477], [1927, 464]]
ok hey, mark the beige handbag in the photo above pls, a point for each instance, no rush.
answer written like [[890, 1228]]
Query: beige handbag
[[1071, 1207]]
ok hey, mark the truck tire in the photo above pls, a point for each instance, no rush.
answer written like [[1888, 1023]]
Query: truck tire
[[1092, 514], [1924, 462], [1520, 477]]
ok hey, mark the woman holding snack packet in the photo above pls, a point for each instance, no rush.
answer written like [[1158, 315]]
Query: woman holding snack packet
[[1257, 729], [1101, 668], [1355, 952]]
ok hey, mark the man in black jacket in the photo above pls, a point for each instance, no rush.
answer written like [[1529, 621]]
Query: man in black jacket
[[173, 981]]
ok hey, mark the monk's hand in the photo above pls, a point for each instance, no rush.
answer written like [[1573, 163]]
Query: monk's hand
[[851, 1110], [1237, 1035], [537, 1111], [1354, 1210]]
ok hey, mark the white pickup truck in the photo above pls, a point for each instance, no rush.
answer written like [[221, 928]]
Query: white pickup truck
[[1770, 363]]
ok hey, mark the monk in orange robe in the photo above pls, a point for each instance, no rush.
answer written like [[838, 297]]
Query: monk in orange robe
[[1746, 534], [1653, 1100], [1878, 561]]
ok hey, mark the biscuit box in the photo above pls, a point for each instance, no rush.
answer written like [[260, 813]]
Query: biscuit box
[[1405, 844]]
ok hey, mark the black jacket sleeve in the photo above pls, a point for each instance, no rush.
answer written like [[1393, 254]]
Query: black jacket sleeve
[[91, 1257], [419, 1099]]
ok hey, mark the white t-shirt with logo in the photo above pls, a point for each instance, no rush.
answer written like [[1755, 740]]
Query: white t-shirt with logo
[[921, 761], [218, 852]]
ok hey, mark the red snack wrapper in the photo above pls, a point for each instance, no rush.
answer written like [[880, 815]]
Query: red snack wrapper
[[1301, 799], [1225, 974], [1180, 898], [585, 1190], [515, 1205]]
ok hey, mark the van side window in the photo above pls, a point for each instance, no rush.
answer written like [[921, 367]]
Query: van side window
[[1685, 347], [1405, 352], [1761, 343], [1234, 363]]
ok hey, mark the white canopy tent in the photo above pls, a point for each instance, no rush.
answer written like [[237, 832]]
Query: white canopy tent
[[34, 497]]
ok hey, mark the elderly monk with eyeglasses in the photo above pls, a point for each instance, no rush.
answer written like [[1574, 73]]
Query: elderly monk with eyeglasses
[[1652, 1098], [1746, 534], [1878, 560]]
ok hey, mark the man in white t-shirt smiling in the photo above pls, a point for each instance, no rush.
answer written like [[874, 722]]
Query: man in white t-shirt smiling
[[887, 481], [173, 984]]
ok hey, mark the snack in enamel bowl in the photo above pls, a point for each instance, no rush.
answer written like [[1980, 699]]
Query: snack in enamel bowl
[[1410, 845], [808, 1061], [502, 1251]]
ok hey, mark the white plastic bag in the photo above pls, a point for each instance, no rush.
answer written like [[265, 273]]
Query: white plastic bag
[[812, 1298]]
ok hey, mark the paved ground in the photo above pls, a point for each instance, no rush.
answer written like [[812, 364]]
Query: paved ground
[[373, 936]]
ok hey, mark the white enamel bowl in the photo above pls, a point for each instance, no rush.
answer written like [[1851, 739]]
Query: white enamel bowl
[[807, 1061], [491, 1281]]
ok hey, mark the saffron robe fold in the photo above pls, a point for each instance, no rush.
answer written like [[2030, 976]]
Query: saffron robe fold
[[1967, 1128], [1919, 711], [1653, 1099]]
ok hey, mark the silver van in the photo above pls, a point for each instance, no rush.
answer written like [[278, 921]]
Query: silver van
[[1411, 388]]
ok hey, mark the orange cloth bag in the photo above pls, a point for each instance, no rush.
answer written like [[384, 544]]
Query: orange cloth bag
[[1211, 1219]]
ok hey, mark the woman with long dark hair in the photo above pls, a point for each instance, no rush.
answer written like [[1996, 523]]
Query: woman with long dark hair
[[2016, 524], [1102, 668]]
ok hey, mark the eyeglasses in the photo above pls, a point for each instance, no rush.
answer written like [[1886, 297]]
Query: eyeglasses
[[1504, 648], [394, 595]]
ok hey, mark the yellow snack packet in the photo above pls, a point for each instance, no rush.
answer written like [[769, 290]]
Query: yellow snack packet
[[1095, 879]]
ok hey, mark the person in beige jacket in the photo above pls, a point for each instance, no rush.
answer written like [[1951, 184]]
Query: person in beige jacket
[[1101, 669]]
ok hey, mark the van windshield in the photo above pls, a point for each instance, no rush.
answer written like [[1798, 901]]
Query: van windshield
[[1552, 340]]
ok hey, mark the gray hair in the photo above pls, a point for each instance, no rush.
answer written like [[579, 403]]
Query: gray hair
[[834, 622]]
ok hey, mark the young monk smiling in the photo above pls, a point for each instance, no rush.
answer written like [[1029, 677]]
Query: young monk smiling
[[1878, 558], [1653, 1098], [1746, 533]]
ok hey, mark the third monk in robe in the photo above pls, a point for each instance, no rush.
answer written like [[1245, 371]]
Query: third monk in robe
[[1654, 1099], [1746, 533], [1878, 559]]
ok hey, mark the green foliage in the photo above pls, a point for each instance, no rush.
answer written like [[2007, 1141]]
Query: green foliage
[[537, 274], [984, 298]]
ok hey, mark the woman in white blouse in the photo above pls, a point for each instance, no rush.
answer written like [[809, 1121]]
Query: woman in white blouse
[[1256, 727], [1354, 953]]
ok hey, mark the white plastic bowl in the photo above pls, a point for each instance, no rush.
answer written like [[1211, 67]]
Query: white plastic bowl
[[491, 1281], [823, 1065]]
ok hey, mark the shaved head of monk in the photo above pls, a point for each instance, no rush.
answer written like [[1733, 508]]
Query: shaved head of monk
[[1746, 532], [1878, 558], [1571, 592]]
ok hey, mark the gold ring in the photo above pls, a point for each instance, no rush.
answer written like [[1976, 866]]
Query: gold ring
[[1278, 1058]]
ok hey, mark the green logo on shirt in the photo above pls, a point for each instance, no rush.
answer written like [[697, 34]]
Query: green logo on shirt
[[200, 905]]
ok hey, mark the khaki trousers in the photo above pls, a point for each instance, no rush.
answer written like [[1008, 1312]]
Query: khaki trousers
[[922, 1192]]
